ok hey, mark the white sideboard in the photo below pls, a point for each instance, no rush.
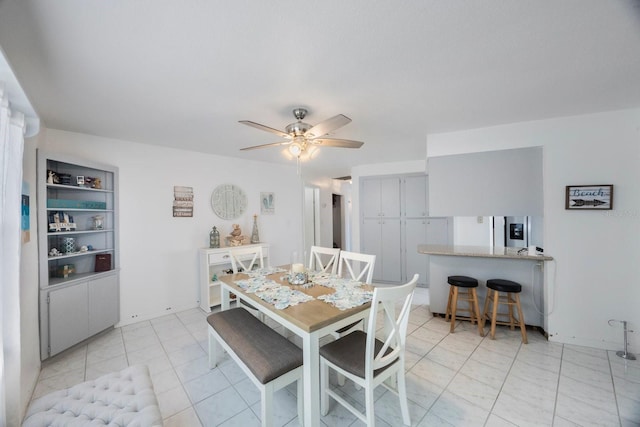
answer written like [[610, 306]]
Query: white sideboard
[[215, 262]]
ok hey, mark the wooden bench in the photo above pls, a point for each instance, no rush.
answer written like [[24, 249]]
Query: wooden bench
[[269, 359]]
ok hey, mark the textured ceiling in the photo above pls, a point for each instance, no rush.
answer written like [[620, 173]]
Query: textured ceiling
[[182, 73]]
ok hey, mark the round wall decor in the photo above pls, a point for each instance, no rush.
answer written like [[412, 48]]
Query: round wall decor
[[228, 201]]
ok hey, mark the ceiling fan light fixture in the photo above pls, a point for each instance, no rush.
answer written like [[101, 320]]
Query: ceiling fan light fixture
[[295, 149]]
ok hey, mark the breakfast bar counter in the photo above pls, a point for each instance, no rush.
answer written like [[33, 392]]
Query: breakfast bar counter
[[480, 251], [484, 263]]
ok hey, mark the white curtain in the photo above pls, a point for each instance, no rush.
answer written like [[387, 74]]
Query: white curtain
[[11, 150]]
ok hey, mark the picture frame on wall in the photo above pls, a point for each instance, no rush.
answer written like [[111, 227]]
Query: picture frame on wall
[[589, 197], [267, 203]]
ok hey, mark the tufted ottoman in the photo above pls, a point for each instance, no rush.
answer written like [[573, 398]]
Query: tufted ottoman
[[124, 398]]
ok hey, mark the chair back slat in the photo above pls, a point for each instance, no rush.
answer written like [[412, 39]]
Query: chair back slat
[[384, 301], [359, 266], [246, 258], [324, 259]]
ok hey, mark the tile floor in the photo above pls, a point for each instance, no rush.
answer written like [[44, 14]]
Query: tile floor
[[456, 379]]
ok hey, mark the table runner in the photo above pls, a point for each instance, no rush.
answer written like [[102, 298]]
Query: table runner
[[348, 293]]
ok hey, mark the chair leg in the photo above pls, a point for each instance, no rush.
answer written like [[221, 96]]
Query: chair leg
[[370, 413], [454, 304], [485, 312], [476, 311], [523, 329], [496, 302], [472, 314], [447, 314], [324, 385], [300, 396], [402, 395], [510, 304]]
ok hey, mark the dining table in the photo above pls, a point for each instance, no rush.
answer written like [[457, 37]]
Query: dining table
[[310, 320]]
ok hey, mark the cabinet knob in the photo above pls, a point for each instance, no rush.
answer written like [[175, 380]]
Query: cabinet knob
[[225, 256]]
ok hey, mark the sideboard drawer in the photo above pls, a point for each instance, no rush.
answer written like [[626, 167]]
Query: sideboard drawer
[[219, 258]]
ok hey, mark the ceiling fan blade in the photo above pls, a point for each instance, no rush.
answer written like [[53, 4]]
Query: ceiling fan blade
[[273, 144], [344, 143], [265, 128], [327, 126]]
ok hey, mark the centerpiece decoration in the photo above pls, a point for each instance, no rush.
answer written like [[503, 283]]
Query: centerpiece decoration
[[297, 273]]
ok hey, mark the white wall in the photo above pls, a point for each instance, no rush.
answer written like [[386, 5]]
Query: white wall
[[29, 330], [595, 274], [158, 253]]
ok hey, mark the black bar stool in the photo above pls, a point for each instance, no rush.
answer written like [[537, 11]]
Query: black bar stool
[[463, 288], [511, 297]]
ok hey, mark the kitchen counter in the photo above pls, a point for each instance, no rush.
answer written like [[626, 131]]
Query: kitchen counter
[[484, 263], [480, 251]]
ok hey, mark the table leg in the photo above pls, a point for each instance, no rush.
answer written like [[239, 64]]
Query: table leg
[[224, 298], [311, 375]]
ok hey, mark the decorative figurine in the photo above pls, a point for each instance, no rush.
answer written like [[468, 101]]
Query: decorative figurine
[[236, 238], [214, 238], [255, 238]]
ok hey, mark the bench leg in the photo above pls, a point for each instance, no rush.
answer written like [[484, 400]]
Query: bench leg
[[213, 350], [267, 405]]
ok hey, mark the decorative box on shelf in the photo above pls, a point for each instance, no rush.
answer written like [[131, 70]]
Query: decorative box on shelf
[[103, 262]]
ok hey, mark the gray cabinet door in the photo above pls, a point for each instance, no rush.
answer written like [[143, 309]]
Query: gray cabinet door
[[103, 303], [390, 197], [68, 317], [372, 242], [391, 251], [381, 237], [380, 197], [370, 198], [416, 234], [415, 196], [438, 231]]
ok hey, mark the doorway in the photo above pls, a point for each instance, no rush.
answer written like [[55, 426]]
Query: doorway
[[338, 219], [311, 217]]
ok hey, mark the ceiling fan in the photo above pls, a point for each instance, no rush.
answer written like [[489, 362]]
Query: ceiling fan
[[299, 135]]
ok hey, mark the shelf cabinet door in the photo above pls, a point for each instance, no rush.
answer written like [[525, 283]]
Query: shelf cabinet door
[[381, 237], [68, 317], [381, 197], [416, 234], [438, 231], [390, 197], [391, 253], [103, 303], [372, 243], [415, 196]]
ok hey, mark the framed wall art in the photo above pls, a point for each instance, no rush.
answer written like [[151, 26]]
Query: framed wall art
[[589, 197], [267, 203]]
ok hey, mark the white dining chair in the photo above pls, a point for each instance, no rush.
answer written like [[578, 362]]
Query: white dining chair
[[324, 259], [369, 361], [247, 259], [356, 266]]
